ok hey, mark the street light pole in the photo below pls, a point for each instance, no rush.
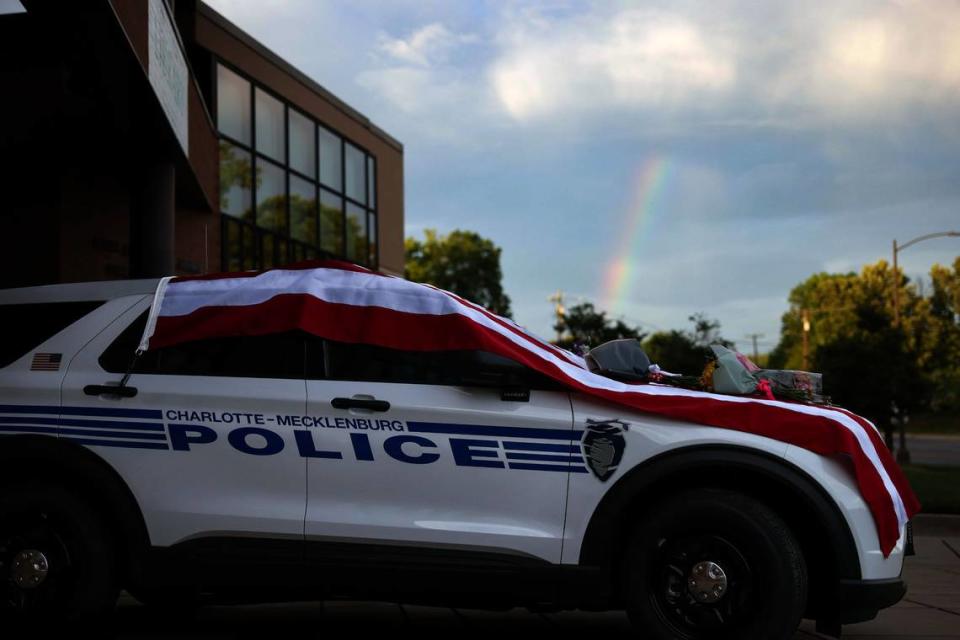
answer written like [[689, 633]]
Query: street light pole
[[805, 325], [903, 454], [896, 287], [558, 311], [896, 280]]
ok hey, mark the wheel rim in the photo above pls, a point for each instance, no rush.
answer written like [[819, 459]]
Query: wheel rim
[[35, 565], [701, 584]]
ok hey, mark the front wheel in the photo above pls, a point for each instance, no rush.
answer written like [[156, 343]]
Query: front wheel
[[711, 563], [56, 557]]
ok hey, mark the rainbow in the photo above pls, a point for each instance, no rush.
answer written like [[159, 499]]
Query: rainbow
[[648, 188]]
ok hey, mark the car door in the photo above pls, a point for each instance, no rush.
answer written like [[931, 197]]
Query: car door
[[431, 450], [198, 444]]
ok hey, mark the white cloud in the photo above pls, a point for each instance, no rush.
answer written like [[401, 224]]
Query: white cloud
[[586, 63], [879, 61], [425, 76], [698, 64], [424, 46]]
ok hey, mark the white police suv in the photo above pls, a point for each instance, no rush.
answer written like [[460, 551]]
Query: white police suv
[[287, 466]]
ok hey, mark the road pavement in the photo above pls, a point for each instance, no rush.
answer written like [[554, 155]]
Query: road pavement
[[934, 449], [931, 610]]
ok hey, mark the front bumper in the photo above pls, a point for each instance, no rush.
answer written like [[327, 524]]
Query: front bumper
[[860, 600]]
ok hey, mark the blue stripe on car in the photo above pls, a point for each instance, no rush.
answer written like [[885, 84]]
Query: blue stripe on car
[[27, 429], [92, 424], [541, 446], [103, 412], [114, 434], [138, 426], [543, 458], [119, 443], [547, 467], [488, 430]]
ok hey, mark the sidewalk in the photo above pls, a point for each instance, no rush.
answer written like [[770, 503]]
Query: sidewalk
[[931, 608]]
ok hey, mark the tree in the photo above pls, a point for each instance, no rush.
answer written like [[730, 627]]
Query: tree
[[868, 364], [583, 324], [463, 262], [835, 305], [869, 369], [685, 351], [942, 348]]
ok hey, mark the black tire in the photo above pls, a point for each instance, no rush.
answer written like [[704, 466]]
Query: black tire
[[762, 579], [80, 581]]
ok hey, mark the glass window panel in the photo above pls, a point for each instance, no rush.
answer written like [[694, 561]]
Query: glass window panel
[[271, 197], [303, 156], [270, 136], [234, 247], [372, 232], [276, 355], [303, 210], [356, 174], [371, 182], [331, 223], [283, 255], [367, 362], [330, 174], [233, 105], [251, 257], [356, 233], [36, 323], [267, 251], [297, 252], [235, 181]]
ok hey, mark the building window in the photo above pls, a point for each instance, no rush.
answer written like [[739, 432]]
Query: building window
[[290, 189], [270, 137], [233, 105], [356, 174], [302, 140], [331, 148]]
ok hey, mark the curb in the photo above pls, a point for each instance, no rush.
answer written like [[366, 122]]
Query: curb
[[936, 524]]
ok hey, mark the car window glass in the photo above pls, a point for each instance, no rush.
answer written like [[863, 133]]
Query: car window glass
[[271, 356], [364, 362], [30, 325]]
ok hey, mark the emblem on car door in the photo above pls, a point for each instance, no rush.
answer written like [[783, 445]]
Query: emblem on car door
[[603, 444]]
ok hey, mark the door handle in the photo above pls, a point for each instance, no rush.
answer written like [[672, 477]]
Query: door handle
[[107, 389], [360, 403]]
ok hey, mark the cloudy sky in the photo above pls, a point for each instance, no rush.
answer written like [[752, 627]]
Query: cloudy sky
[[656, 158]]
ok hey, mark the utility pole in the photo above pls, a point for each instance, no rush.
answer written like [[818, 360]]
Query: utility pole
[[558, 311], [754, 337], [805, 319]]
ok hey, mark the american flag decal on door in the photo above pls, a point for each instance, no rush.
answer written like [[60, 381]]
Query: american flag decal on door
[[46, 362]]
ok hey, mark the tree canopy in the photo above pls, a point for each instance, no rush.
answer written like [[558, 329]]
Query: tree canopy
[[685, 352], [583, 324], [867, 362], [463, 262]]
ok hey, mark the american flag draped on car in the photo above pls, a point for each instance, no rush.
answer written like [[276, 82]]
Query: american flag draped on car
[[344, 302]]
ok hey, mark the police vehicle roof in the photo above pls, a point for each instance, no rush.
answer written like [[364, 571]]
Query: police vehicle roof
[[78, 291]]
